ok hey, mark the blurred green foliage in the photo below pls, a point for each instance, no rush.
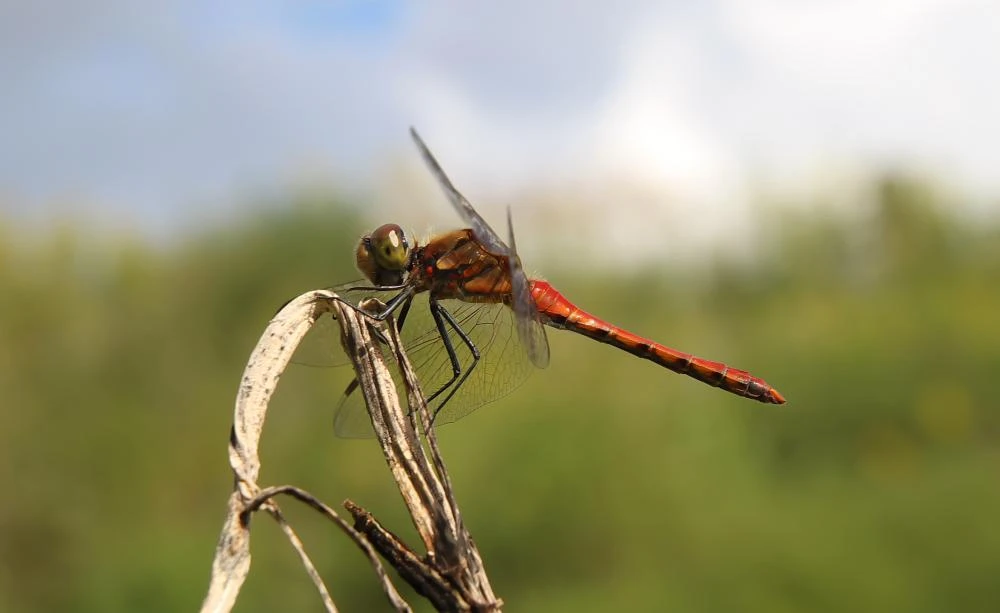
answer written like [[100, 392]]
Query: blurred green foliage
[[603, 483]]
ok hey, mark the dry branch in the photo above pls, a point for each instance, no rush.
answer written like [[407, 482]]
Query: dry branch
[[450, 574]]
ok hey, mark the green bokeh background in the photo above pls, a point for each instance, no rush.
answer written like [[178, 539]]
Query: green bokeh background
[[604, 482]]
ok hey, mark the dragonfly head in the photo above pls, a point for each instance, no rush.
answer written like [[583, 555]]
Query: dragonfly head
[[383, 256]]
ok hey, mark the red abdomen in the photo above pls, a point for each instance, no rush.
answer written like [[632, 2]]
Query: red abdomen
[[559, 312]]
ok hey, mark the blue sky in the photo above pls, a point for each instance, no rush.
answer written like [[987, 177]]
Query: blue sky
[[161, 113]]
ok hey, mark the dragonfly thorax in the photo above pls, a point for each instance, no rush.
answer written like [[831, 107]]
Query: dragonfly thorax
[[383, 256]]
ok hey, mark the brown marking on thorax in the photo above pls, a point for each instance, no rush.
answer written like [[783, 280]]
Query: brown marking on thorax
[[456, 265]]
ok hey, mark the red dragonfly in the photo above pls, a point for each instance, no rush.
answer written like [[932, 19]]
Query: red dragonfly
[[480, 326]]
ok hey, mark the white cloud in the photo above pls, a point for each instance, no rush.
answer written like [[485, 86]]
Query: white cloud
[[166, 110]]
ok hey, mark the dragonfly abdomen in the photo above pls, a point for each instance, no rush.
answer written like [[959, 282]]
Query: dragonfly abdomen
[[559, 312]]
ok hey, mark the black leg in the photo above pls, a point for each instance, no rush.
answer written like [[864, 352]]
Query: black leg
[[406, 299], [405, 296], [402, 314], [441, 319], [387, 308], [375, 288], [441, 313], [385, 288]]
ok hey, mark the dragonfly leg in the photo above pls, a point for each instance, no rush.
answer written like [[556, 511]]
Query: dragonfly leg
[[399, 320], [375, 288], [407, 301], [379, 334], [441, 320], [442, 316], [405, 296], [402, 314], [387, 308]]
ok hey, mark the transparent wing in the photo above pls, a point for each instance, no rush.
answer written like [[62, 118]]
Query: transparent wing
[[503, 365], [321, 346], [509, 340], [529, 324], [483, 231]]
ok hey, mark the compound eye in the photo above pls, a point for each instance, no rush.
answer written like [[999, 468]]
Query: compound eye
[[389, 247]]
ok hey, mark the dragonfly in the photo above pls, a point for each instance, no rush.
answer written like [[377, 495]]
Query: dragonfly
[[473, 323]]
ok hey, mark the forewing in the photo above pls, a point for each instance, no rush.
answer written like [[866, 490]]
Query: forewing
[[483, 231]]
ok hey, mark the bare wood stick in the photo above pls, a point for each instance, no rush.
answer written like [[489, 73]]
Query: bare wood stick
[[451, 574], [424, 577], [422, 480], [265, 497], [267, 361], [458, 549]]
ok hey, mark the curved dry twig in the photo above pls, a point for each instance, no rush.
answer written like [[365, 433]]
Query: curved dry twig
[[421, 477], [451, 573], [266, 495], [260, 378]]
